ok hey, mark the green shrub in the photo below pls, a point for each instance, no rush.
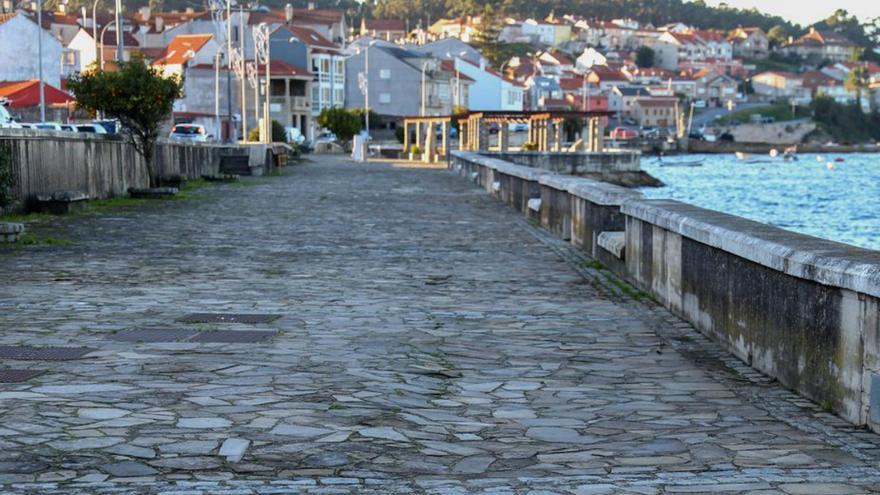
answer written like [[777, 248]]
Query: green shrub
[[6, 178], [529, 147]]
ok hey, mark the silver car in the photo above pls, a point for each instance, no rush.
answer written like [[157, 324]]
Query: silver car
[[189, 132]]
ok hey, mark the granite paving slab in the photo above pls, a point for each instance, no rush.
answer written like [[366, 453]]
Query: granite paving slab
[[441, 345]]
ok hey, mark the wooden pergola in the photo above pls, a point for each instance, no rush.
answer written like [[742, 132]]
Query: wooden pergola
[[545, 129], [426, 134]]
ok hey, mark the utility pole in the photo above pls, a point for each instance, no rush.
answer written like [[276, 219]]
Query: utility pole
[[367, 90], [243, 74], [230, 135], [40, 56], [120, 43]]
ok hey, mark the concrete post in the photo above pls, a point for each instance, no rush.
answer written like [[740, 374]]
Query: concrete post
[[462, 135], [545, 135], [482, 135], [600, 135], [419, 136], [504, 137], [591, 134], [445, 129], [405, 137], [428, 150], [557, 145]]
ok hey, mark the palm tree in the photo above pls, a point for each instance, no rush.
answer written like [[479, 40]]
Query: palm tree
[[857, 81]]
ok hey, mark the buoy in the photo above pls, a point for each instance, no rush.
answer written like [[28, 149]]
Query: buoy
[[838, 159], [774, 153], [818, 158], [830, 165]]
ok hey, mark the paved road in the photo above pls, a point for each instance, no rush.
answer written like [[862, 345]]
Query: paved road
[[431, 342]]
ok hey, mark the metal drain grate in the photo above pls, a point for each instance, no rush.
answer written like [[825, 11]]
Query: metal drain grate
[[154, 335], [18, 376], [234, 337], [249, 319], [29, 353]]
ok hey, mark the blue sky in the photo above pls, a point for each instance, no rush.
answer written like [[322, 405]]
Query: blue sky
[[808, 11]]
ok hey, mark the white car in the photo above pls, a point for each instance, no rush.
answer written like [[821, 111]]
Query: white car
[[294, 135], [91, 128], [6, 121], [189, 132]]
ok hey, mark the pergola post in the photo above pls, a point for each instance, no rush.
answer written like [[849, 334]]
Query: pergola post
[[406, 136], [419, 136], [503, 136], [545, 134], [428, 150], [557, 127], [600, 135], [445, 129], [591, 134], [482, 135]]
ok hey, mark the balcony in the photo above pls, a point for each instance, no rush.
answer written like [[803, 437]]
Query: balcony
[[297, 103]]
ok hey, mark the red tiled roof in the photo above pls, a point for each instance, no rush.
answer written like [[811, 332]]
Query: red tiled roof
[[109, 39], [183, 48], [449, 66], [571, 83], [311, 37], [6, 17], [282, 68], [22, 94], [656, 102], [496, 74]]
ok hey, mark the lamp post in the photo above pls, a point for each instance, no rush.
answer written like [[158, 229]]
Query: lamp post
[[95, 26], [103, 32], [423, 108], [40, 56], [119, 27], [364, 84], [230, 137], [262, 34]]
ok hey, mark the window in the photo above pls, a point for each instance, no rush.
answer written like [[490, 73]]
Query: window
[[384, 97], [340, 96], [385, 74]]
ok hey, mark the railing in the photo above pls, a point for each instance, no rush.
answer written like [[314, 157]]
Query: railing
[[296, 102]]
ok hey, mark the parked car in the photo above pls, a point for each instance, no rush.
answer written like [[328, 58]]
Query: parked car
[[189, 132], [650, 132], [519, 127], [294, 135], [68, 128], [6, 121], [91, 128], [699, 104], [48, 126], [621, 133], [630, 121], [326, 137]]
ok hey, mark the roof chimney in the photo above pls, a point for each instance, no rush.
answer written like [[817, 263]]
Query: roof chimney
[[160, 24], [311, 5], [288, 13], [145, 12]]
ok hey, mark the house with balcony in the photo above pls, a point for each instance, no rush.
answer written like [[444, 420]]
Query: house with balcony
[[749, 42], [715, 88], [655, 111], [819, 46], [400, 82], [820, 83], [775, 85], [195, 59], [292, 100]]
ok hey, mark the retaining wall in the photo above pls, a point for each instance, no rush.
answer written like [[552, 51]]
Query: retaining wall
[[573, 163], [800, 309], [100, 166]]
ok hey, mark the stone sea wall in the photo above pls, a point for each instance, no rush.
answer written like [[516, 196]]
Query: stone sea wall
[[100, 166], [803, 310]]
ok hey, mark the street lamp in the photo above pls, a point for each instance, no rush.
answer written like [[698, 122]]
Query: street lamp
[[456, 90], [95, 26], [103, 32], [364, 84], [424, 88], [40, 57]]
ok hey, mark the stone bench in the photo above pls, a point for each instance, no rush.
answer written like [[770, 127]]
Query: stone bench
[[153, 192], [221, 177], [61, 202], [10, 232]]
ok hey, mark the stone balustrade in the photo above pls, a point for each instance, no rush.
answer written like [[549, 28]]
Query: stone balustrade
[[803, 310]]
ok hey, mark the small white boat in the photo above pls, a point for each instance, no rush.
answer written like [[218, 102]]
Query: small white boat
[[698, 162]]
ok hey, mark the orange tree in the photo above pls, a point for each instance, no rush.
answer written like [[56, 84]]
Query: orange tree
[[138, 95]]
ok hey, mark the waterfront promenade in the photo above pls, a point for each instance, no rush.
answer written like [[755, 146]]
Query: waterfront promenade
[[430, 340]]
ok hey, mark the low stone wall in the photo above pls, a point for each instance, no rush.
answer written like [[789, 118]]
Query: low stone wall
[[573, 163], [800, 309], [100, 166]]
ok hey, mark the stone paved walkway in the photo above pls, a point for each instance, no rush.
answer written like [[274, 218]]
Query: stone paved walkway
[[431, 342]]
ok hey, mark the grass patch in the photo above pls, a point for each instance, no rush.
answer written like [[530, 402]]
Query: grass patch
[[826, 406], [336, 406], [31, 239], [594, 265], [769, 64], [26, 218], [781, 112]]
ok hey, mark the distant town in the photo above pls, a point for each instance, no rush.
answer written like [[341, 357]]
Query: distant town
[[650, 79]]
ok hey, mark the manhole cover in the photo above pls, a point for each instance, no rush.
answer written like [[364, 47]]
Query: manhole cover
[[28, 353], [154, 335], [17, 376], [250, 319], [232, 336]]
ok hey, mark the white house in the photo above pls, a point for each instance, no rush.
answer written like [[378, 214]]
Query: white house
[[18, 50], [491, 90], [590, 58]]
